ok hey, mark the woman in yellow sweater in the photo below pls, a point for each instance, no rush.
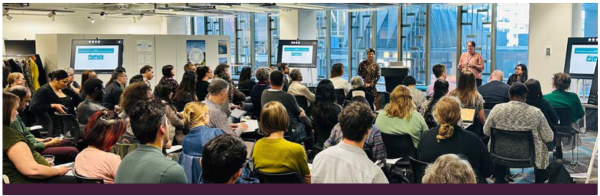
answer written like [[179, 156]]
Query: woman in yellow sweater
[[274, 154]]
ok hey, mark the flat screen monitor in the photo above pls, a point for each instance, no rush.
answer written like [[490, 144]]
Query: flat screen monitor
[[19, 47], [100, 55], [582, 55], [298, 53]]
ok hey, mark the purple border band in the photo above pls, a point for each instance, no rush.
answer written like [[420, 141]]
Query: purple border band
[[300, 189]]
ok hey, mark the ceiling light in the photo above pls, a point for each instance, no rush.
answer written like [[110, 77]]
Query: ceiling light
[[9, 18], [91, 19], [102, 15], [52, 15]]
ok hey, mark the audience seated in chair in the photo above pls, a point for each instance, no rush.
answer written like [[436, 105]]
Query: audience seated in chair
[[147, 164], [246, 82], [466, 92], [94, 90], [439, 71], [168, 72], [217, 94], [63, 150], [417, 95], [400, 116], [114, 89], [186, 91], [516, 115], [177, 130], [204, 74], [337, 71], [297, 88], [451, 138], [273, 153], [101, 134], [440, 89], [449, 169], [373, 142], [85, 76], [283, 68], [21, 163], [134, 93], [54, 97], [262, 75], [358, 84], [535, 98], [347, 162], [495, 91], [295, 113], [561, 97], [223, 160], [196, 116], [235, 96], [71, 83], [326, 110]]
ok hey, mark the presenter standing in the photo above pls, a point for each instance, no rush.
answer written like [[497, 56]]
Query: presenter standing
[[472, 61], [369, 71]]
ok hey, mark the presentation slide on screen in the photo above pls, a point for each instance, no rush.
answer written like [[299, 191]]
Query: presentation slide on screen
[[583, 59], [96, 57], [297, 54]]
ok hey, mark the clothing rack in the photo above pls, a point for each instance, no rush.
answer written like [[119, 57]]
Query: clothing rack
[[17, 55]]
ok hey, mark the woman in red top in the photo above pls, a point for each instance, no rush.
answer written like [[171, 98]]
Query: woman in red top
[[472, 61]]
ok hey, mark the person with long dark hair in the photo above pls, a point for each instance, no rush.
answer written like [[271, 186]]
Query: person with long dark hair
[[133, 94], [326, 110], [86, 75], [101, 134], [440, 89], [177, 126], [246, 82], [186, 92], [536, 99], [168, 72], [204, 74], [520, 75]]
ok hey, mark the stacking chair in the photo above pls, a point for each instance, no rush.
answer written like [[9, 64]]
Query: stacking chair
[[340, 96], [191, 167], [303, 103], [399, 146], [418, 169], [521, 140], [565, 129], [85, 180], [70, 127], [123, 149], [290, 177], [321, 135]]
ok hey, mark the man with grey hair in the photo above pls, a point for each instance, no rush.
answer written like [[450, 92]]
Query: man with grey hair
[[217, 94], [359, 89], [495, 91], [72, 84], [297, 88]]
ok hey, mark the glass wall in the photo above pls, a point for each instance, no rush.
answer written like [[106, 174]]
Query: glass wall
[[339, 39], [212, 26], [476, 26], [361, 39], [443, 40], [589, 17], [387, 35], [243, 39], [274, 38], [260, 40], [414, 26], [322, 67], [229, 30], [512, 36], [199, 25]]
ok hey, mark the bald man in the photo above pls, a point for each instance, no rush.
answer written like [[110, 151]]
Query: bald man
[[495, 91]]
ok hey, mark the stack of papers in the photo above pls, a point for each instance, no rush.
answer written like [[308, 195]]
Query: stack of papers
[[252, 125], [174, 148]]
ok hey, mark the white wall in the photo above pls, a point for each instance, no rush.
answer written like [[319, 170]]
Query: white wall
[[550, 25], [288, 23], [300, 25], [26, 27]]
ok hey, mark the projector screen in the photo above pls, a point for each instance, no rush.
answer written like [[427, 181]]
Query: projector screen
[[583, 59], [96, 57], [297, 54]]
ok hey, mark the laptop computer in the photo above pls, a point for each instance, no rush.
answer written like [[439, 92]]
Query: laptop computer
[[467, 115]]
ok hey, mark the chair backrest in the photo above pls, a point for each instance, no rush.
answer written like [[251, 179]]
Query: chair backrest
[[512, 149], [70, 126], [245, 91], [397, 146], [85, 180], [303, 103], [256, 108], [191, 167], [418, 169], [565, 115], [340, 96], [321, 134], [489, 105], [122, 149], [290, 177]]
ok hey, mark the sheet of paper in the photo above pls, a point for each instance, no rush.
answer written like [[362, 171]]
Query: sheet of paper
[[70, 172], [141, 59], [252, 125], [144, 45], [237, 113], [174, 148], [392, 161]]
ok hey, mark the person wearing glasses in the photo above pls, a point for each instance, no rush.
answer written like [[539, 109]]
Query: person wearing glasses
[[72, 84], [112, 95], [472, 61], [369, 71]]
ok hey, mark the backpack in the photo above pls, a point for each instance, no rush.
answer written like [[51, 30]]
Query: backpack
[[558, 174]]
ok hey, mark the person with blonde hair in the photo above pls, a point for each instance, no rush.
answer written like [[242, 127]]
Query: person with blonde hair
[[273, 153], [14, 79], [196, 116], [448, 137], [401, 117], [449, 169]]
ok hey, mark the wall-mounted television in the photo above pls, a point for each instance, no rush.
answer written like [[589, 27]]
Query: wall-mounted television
[[100, 55], [298, 53]]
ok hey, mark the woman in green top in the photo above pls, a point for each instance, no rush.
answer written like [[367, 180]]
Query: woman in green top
[[563, 98], [20, 162], [400, 116], [274, 154]]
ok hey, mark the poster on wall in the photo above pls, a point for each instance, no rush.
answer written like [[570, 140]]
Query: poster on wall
[[223, 61], [222, 46], [196, 51]]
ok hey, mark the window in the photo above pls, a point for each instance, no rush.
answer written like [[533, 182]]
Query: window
[[443, 40], [589, 17], [274, 38], [361, 39], [387, 35], [212, 26], [512, 36], [339, 40], [200, 25], [243, 39], [476, 26], [322, 67], [229, 30], [414, 26], [260, 40]]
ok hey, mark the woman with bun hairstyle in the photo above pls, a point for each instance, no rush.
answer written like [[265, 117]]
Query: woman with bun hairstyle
[[448, 137]]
